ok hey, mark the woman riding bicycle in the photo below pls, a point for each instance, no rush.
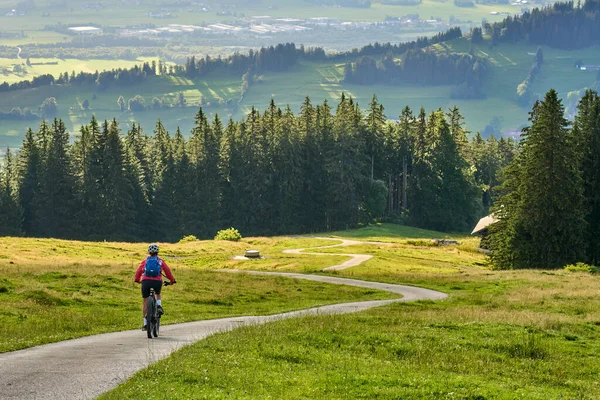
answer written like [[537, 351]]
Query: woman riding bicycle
[[149, 273]]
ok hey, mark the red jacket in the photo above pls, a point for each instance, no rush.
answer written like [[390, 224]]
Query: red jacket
[[164, 267]]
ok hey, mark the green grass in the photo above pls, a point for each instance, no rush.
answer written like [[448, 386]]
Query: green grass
[[388, 353], [215, 91], [500, 335], [56, 66], [54, 290], [390, 233]]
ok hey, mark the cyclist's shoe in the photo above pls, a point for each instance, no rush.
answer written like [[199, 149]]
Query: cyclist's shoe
[[160, 310], [145, 327]]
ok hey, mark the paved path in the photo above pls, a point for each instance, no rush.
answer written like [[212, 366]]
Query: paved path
[[355, 259], [87, 367]]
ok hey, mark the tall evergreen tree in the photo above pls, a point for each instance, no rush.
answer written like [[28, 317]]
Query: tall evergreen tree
[[375, 121], [119, 221], [57, 205], [10, 213], [542, 208], [30, 165], [587, 133]]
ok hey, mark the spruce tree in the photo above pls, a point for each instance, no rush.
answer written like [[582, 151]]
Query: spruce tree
[[459, 204], [314, 173], [375, 121], [10, 213], [57, 206], [542, 207], [118, 188], [30, 165], [587, 133]]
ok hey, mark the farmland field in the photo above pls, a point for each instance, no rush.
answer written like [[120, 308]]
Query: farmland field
[[508, 66], [56, 66]]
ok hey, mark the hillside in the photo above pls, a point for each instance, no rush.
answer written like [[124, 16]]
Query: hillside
[[220, 93]]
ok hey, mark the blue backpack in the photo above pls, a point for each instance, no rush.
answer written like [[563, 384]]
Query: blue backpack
[[153, 266]]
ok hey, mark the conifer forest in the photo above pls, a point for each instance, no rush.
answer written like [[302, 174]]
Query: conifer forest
[[326, 168]]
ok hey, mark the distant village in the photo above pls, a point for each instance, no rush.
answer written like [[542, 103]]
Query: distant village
[[265, 25]]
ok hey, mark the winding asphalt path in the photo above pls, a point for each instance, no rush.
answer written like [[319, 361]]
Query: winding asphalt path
[[87, 367]]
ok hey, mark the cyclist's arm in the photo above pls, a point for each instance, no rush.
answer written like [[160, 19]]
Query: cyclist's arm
[[168, 272], [140, 271]]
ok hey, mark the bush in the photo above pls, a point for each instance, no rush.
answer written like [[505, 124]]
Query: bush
[[582, 267], [231, 234], [188, 238]]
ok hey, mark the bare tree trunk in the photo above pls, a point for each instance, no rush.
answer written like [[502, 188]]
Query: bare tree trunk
[[390, 195], [398, 194], [372, 166]]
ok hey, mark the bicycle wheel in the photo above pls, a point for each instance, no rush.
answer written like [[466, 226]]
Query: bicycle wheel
[[150, 312], [156, 327]]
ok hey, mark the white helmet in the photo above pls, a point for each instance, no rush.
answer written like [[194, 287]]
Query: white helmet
[[153, 248]]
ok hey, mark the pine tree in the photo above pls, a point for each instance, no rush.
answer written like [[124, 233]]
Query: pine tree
[[287, 167], [587, 134], [117, 189], [424, 183], [29, 184], [10, 213], [375, 121], [314, 130], [542, 207], [405, 149], [82, 156], [57, 205], [227, 161], [459, 204], [140, 145]]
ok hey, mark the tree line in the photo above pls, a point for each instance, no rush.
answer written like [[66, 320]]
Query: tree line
[[272, 58], [562, 25], [548, 204], [273, 172], [524, 95], [419, 66], [104, 79]]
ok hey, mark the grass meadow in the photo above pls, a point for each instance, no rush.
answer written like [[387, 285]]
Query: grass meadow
[[54, 290], [530, 334], [56, 66]]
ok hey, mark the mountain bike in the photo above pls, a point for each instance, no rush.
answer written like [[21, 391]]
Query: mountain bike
[[152, 315]]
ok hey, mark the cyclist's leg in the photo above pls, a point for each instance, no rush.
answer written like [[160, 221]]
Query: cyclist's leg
[[145, 294], [145, 307], [158, 296]]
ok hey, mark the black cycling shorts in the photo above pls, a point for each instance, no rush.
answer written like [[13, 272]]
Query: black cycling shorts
[[147, 285]]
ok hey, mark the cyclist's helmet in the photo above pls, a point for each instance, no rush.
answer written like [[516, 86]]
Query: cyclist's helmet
[[153, 248]]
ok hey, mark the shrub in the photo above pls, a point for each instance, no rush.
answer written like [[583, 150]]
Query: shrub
[[231, 234], [188, 238], [582, 267]]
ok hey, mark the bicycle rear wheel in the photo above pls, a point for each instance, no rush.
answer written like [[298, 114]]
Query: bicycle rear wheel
[[150, 319], [156, 327]]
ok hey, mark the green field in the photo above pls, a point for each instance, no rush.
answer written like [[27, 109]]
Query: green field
[[219, 89], [57, 66], [90, 285], [500, 335], [508, 65]]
